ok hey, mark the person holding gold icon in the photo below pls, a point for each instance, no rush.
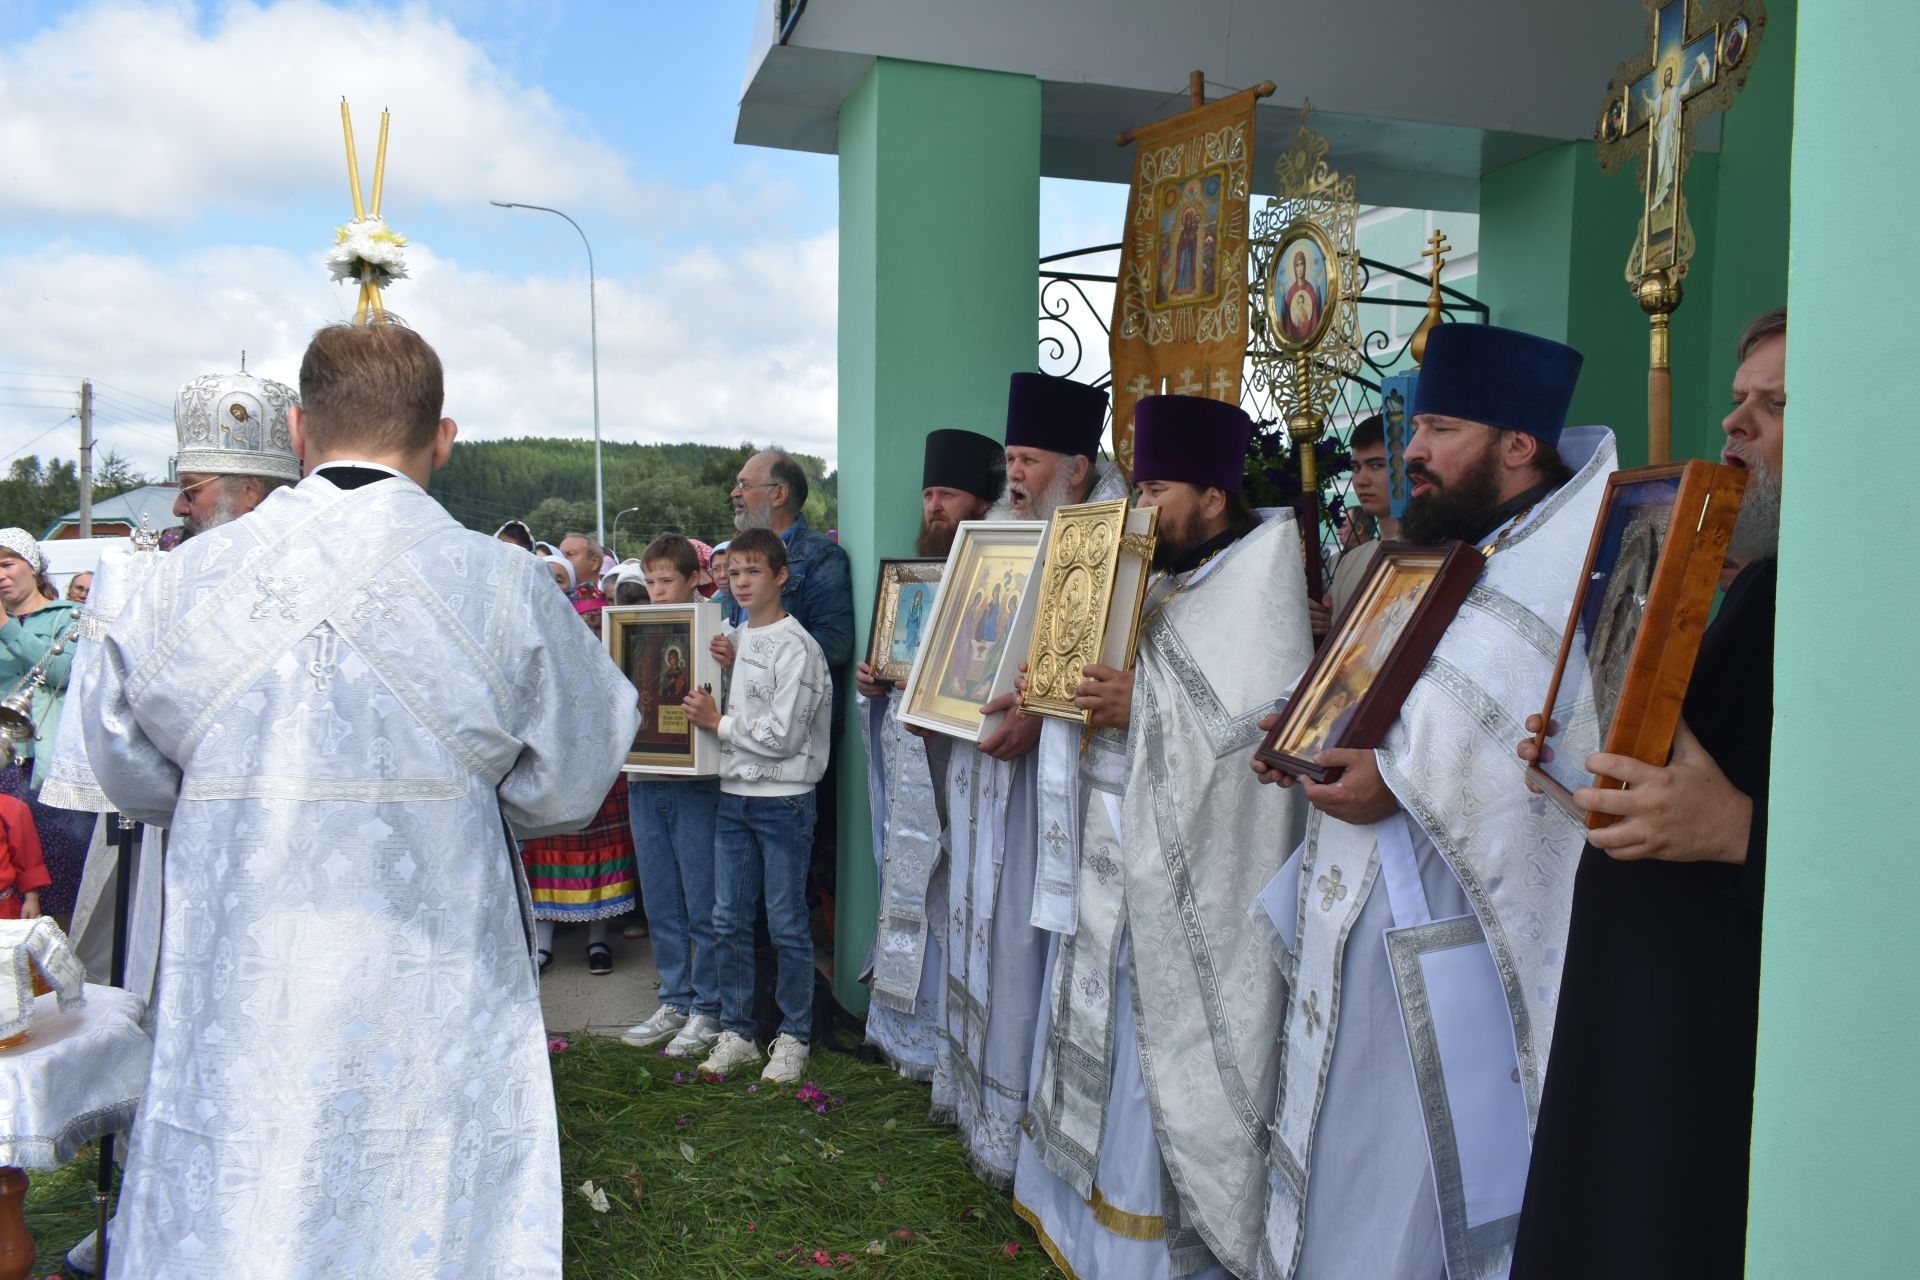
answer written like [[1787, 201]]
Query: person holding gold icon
[[1134, 1090]]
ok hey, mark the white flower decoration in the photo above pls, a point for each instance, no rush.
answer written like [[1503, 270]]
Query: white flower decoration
[[368, 252]]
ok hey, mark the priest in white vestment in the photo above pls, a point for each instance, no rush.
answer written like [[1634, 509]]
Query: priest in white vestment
[[962, 474], [995, 956], [1424, 918], [1154, 1085], [334, 704]]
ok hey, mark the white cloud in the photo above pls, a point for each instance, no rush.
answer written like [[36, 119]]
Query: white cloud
[[707, 348], [155, 114]]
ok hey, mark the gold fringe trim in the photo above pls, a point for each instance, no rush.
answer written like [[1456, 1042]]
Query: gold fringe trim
[[1131, 1226], [1032, 1219]]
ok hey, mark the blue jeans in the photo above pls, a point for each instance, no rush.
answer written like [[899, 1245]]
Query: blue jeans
[[764, 840], [673, 844]]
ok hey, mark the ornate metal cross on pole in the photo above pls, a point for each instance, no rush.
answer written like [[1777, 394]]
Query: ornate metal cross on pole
[[1699, 54]]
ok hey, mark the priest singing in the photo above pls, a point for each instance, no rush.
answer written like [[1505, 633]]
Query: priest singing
[[1424, 918], [1146, 1149], [332, 703]]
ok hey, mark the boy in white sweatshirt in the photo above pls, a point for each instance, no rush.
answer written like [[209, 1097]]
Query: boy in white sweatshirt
[[774, 740]]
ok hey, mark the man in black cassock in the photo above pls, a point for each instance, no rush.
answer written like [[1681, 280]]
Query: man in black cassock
[[1640, 1154]]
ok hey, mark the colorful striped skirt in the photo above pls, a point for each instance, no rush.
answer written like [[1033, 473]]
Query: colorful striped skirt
[[587, 874]]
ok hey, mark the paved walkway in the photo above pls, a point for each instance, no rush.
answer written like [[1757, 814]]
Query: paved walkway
[[575, 1000]]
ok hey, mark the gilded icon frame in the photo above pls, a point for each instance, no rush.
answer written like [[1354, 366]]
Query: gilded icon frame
[[642, 636], [895, 577], [954, 676]]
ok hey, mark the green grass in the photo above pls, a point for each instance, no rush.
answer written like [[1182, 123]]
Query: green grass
[[710, 1180]]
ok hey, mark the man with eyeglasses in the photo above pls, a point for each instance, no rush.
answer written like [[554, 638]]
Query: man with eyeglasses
[[770, 493], [234, 447]]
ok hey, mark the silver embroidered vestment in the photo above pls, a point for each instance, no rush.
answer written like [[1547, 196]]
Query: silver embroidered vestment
[[331, 703], [1424, 951], [908, 960], [1177, 838]]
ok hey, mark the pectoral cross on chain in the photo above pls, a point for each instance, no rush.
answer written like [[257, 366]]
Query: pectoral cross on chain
[[1331, 890]]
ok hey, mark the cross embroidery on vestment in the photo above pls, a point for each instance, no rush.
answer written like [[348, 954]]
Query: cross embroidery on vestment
[[1331, 889]]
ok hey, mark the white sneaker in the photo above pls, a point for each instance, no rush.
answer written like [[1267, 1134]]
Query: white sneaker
[[695, 1037], [787, 1061], [730, 1051], [666, 1020]]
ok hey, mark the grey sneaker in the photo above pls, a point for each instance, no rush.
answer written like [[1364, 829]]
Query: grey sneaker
[[663, 1025], [696, 1038], [730, 1052], [84, 1258], [786, 1061]]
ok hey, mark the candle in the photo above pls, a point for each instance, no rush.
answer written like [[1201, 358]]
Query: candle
[[380, 163], [353, 161]]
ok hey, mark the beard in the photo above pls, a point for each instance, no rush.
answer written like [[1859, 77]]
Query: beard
[[223, 512], [747, 518], [1175, 538], [1756, 533], [1459, 510], [935, 539], [1042, 505]]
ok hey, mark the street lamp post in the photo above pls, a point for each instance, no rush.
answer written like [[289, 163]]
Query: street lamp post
[[616, 528], [593, 328]]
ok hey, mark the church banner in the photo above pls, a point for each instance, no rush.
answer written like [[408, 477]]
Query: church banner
[[1180, 307]]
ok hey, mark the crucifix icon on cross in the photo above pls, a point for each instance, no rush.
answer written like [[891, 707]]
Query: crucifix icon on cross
[[1699, 52]]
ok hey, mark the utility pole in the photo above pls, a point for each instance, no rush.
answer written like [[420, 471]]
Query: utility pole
[[86, 458]]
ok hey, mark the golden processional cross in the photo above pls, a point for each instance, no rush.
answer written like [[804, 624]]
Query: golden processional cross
[[1698, 60]]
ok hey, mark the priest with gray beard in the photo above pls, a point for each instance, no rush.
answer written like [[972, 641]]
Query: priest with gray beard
[[1640, 1158], [1155, 1078], [961, 476], [995, 955]]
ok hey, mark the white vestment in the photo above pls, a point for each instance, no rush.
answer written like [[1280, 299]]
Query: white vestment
[[996, 958], [1160, 1128], [907, 963], [332, 703], [1424, 952], [71, 785]]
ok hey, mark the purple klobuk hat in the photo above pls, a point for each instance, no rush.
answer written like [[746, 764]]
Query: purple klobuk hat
[[1502, 377], [1055, 414], [1192, 439]]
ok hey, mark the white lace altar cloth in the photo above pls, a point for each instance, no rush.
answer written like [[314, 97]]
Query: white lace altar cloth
[[78, 1078]]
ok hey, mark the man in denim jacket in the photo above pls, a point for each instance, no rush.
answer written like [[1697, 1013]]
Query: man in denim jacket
[[769, 493]]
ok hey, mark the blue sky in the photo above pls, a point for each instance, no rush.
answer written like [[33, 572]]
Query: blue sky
[[170, 174]]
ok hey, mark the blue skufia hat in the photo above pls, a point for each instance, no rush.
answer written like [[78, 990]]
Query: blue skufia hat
[[1055, 414], [1502, 377], [1193, 439]]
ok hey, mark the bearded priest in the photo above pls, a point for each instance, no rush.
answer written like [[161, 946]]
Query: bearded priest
[[1146, 1154], [995, 956], [961, 476], [332, 703], [1425, 916]]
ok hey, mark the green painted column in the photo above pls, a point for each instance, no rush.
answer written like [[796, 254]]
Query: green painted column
[[939, 236], [1836, 1141]]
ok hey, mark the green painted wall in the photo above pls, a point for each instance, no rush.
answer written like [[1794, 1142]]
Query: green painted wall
[[1748, 250], [1554, 237], [939, 233], [1836, 1145]]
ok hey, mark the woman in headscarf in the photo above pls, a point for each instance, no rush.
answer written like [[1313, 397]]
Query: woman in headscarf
[[516, 532], [587, 876], [36, 621]]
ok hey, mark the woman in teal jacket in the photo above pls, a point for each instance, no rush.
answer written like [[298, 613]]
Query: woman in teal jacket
[[37, 620]]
